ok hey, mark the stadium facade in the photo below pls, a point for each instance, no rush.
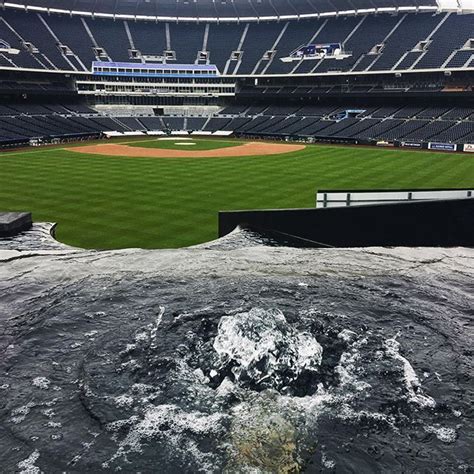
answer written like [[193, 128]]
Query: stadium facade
[[371, 71]]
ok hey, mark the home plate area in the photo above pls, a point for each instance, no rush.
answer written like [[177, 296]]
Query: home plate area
[[169, 139]]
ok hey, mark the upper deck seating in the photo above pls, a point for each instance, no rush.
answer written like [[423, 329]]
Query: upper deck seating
[[373, 43]]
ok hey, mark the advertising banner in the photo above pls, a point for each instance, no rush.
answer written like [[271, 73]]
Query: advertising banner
[[469, 147], [442, 146], [411, 144]]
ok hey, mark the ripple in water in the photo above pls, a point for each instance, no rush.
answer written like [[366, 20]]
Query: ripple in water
[[127, 368]]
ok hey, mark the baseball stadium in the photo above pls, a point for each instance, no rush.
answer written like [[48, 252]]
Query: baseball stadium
[[236, 236]]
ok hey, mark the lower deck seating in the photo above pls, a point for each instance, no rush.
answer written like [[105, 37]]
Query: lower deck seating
[[415, 123], [20, 122]]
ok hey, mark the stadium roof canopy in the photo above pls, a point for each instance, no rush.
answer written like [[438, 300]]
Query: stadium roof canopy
[[218, 8]]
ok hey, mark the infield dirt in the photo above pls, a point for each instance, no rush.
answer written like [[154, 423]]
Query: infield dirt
[[248, 149]]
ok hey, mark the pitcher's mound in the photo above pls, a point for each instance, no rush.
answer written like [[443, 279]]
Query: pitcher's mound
[[248, 149]]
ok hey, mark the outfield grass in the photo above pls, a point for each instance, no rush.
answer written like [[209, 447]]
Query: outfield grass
[[117, 202], [199, 144]]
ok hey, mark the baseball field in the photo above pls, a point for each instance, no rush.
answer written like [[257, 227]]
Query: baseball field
[[156, 193]]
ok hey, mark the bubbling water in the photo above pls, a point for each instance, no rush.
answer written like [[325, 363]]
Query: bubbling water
[[274, 360], [260, 347], [249, 389]]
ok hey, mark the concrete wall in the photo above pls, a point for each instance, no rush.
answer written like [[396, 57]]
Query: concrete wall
[[12, 223]]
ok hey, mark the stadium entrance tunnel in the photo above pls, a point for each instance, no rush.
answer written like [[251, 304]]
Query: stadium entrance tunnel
[[442, 223]]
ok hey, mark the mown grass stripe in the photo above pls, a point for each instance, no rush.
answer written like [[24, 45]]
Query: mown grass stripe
[[117, 202]]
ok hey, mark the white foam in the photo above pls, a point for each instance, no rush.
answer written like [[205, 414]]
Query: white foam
[[27, 466], [54, 424], [446, 435], [154, 327], [348, 363], [48, 412], [124, 401], [412, 383], [171, 424], [262, 343], [347, 335], [327, 462], [41, 382], [19, 414], [226, 387]]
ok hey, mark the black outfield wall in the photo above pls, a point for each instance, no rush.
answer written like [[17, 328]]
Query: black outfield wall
[[445, 223]]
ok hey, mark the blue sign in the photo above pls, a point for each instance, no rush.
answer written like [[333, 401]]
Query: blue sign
[[442, 146], [314, 49]]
